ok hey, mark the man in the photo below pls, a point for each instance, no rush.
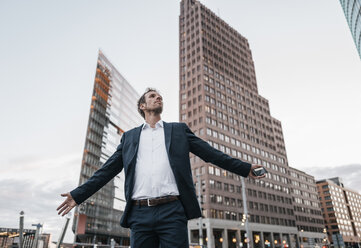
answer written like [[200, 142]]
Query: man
[[158, 180]]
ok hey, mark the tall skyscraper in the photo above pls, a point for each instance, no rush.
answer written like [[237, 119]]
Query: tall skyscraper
[[341, 209], [352, 10], [113, 111], [219, 101]]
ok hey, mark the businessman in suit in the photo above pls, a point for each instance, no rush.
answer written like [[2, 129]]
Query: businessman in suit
[[158, 186]]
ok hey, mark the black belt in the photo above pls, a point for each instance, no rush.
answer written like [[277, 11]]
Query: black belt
[[155, 201]]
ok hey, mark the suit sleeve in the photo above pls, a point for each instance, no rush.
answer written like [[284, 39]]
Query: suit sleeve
[[209, 154], [109, 170]]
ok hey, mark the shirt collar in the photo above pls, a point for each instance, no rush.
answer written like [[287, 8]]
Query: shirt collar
[[158, 124]]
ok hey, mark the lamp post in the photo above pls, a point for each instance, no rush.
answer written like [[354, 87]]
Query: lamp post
[[200, 218], [245, 215], [325, 240], [38, 226], [21, 229], [63, 231]]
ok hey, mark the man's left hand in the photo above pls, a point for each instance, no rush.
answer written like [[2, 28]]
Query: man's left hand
[[255, 166]]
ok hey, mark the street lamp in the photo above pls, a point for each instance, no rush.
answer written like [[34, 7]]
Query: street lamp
[[35, 242], [200, 205], [325, 240], [21, 228], [267, 243], [245, 215]]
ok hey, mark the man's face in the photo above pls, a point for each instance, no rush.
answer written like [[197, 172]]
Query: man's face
[[153, 102]]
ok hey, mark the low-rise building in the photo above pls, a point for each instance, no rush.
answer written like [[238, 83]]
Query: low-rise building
[[341, 209], [306, 206]]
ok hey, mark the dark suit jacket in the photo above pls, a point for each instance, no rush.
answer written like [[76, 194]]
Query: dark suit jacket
[[179, 141]]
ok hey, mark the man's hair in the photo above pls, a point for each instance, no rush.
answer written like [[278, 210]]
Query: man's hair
[[142, 100]]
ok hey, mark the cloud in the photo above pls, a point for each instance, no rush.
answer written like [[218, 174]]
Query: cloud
[[34, 185], [42, 168], [350, 174], [39, 203]]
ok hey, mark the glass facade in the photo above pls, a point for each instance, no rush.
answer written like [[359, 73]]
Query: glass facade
[[113, 111], [352, 10]]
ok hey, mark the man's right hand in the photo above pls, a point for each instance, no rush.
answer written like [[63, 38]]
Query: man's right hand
[[67, 205], [255, 166]]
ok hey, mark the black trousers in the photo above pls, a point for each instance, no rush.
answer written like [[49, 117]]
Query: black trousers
[[164, 226]]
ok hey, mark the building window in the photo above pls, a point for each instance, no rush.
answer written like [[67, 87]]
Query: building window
[[211, 183]]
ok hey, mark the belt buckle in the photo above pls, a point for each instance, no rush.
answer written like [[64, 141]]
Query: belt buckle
[[148, 203]]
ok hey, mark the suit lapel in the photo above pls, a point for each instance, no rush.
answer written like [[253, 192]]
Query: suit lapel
[[129, 177], [167, 135], [135, 143]]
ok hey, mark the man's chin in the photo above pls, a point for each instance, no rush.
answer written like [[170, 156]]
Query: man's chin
[[158, 110]]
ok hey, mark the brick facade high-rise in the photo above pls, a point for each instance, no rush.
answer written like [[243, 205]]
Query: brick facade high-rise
[[219, 101]]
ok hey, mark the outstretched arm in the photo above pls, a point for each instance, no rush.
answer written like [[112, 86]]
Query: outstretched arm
[[209, 154], [109, 170]]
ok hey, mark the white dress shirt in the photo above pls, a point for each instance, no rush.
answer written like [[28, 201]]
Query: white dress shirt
[[153, 174]]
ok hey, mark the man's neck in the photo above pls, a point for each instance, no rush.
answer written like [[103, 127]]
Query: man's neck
[[152, 120]]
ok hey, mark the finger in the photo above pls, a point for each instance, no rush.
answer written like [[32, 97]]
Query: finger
[[61, 205], [60, 211], [67, 211], [64, 194], [63, 208], [63, 211]]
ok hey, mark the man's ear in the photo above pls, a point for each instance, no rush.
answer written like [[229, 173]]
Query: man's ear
[[142, 106]]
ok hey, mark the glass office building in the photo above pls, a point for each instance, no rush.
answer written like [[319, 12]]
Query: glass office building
[[113, 111], [352, 10]]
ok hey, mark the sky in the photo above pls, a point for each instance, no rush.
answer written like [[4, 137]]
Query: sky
[[306, 65]]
